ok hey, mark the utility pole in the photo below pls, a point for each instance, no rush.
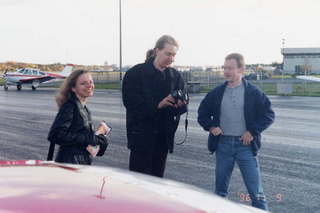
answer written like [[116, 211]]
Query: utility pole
[[282, 51], [120, 44]]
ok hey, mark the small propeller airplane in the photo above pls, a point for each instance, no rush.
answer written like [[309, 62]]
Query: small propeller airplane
[[35, 77]]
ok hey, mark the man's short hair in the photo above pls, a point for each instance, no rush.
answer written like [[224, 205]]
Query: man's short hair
[[238, 57]]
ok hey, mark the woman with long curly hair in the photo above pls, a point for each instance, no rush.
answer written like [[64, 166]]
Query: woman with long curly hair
[[72, 128]]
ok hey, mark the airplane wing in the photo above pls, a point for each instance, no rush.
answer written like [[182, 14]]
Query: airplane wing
[[40, 79], [308, 78], [51, 187]]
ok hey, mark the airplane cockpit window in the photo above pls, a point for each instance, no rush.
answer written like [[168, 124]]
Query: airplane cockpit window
[[42, 73], [21, 71], [34, 72], [24, 71], [28, 72]]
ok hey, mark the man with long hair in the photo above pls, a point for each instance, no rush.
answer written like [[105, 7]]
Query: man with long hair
[[152, 112]]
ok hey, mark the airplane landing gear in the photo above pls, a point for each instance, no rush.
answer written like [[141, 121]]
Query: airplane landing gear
[[19, 87], [35, 84], [5, 86]]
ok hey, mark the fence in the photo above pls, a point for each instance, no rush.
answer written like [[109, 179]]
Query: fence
[[209, 80], [205, 81]]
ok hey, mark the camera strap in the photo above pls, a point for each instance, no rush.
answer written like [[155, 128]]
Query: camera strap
[[172, 87], [185, 129]]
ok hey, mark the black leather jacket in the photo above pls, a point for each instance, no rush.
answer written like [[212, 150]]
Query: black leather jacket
[[72, 130], [141, 96]]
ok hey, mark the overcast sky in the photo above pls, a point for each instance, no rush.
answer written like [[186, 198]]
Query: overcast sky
[[87, 31]]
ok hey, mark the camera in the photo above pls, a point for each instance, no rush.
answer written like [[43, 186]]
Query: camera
[[180, 95], [108, 128], [103, 126]]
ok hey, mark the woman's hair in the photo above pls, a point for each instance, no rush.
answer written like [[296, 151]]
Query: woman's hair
[[65, 90], [161, 42]]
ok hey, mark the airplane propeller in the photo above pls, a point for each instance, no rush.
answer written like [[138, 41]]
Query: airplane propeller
[[5, 73]]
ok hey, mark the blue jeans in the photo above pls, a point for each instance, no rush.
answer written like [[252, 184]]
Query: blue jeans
[[231, 150]]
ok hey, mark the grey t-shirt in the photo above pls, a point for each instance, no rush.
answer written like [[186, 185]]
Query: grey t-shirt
[[232, 120]]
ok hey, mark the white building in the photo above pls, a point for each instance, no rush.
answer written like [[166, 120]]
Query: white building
[[301, 60]]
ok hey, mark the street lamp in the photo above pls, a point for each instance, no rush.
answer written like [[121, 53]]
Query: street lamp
[[283, 43], [120, 43]]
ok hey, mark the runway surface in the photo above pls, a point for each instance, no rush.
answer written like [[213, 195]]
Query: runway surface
[[289, 159]]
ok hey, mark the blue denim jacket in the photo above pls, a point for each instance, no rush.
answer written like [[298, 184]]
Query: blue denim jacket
[[257, 112]]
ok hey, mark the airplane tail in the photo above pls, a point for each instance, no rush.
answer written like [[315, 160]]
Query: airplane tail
[[67, 70]]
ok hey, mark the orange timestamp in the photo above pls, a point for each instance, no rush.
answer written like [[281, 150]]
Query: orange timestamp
[[245, 197]]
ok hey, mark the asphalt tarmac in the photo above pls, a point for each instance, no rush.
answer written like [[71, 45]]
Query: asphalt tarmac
[[289, 158]]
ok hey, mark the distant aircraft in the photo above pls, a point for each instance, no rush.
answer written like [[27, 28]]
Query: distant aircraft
[[33, 76], [308, 78]]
